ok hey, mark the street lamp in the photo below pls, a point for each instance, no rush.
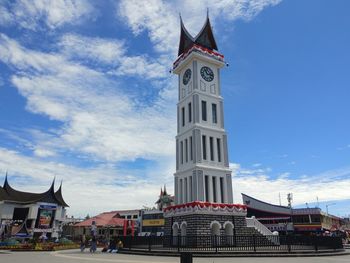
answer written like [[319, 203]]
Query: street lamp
[[328, 206]]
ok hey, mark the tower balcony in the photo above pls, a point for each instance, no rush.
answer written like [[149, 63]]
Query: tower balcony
[[197, 49]]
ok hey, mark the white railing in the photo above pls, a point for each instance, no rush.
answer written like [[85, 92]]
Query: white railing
[[253, 222]]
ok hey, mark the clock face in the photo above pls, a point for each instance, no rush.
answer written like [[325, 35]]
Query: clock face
[[187, 76], [207, 74]]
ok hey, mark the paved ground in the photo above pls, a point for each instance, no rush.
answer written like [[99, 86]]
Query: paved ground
[[73, 256]]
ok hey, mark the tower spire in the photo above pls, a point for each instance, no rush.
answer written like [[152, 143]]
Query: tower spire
[[204, 38], [5, 182]]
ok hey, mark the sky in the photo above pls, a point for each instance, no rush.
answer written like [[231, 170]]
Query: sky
[[86, 97]]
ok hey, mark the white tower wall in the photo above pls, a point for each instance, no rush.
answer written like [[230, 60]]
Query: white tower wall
[[202, 167]]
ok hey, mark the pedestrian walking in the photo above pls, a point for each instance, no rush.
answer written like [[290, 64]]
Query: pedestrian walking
[[82, 243], [93, 244]]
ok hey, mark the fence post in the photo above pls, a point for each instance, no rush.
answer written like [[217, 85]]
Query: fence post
[[316, 243], [130, 242], [149, 243], [178, 243], [216, 243], [288, 243], [254, 243]]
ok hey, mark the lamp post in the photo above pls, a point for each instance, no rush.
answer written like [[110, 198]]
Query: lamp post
[[328, 206]]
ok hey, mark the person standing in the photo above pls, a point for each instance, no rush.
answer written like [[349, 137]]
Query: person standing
[[93, 244], [82, 242]]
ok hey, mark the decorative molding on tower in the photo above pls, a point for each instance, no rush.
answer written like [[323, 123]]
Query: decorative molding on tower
[[205, 208]]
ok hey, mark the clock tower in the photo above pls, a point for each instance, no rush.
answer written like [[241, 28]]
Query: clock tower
[[202, 166], [203, 183]]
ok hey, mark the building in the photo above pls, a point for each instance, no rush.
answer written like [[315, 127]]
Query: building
[[314, 220], [108, 224], [203, 183], [26, 215], [297, 220], [152, 220], [165, 200], [274, 217]]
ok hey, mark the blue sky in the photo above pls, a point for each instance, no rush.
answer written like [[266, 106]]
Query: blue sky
[[86, 97]]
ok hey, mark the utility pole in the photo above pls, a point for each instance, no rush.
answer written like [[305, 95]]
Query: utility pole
[[328, 206]]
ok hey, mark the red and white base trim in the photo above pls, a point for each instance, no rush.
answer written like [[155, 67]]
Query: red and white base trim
[[198, 207]]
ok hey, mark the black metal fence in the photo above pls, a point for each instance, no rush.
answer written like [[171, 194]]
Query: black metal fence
[[216, 244]]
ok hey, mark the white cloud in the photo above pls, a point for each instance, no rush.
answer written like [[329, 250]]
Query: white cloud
[[98, 118], [330, 185], [160, 18], [86, 190], [97, 49], [156, 16], [29, 13], [112, 53], [6, 17]]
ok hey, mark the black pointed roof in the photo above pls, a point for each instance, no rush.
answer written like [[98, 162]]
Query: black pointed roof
[[204, 38], [7, 193], [59, 196]]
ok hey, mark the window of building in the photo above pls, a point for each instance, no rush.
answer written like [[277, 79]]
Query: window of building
[[211, 146], [182, 152], [222, 189], [214, 113], [189, 112], [191, 149], [315, 218], [204, 146], [218, 145], [214, 189], [204, 110], [190, 192], [183, 116], [186, 150], [206, 187], [185, 191], [181, 192], [134, 216]]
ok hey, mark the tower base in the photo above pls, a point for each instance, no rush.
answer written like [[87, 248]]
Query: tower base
[[193, 224]]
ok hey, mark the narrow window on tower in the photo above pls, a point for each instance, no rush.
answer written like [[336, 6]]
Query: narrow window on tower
[[186, 150], [218, 144], [183, 115], [214, 113], [222, 189], [185, 191], [189, 112], [191, 149], [204, 110], [206, 186], [181, 191], [214, 189], [211, 146], [182, 152], [204, 144], [190, 192]]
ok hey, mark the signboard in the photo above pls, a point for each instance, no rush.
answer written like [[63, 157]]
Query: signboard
[[45, 217], [39, 230], [48, 207], [153, 222], [307, 227]]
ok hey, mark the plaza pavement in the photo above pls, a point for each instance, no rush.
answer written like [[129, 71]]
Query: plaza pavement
[[74, 256]]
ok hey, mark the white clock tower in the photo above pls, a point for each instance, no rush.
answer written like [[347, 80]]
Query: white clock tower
[[203, 183], [202, 166]]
